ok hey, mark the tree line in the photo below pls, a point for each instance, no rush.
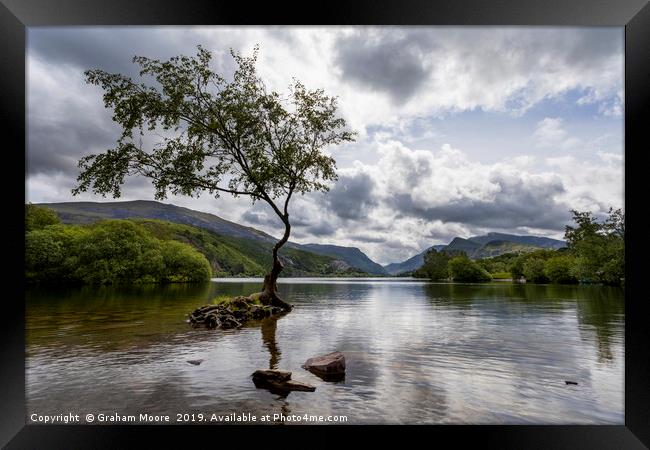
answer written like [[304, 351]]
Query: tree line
[[106, 252], [595, 253]]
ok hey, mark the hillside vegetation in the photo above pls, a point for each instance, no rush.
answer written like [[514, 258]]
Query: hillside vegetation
[[479, 247], [231, 256], [255, 245], [107, 252], [112, 251], [595, 253]]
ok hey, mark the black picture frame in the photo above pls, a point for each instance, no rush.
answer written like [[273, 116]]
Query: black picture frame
[[16, 15]]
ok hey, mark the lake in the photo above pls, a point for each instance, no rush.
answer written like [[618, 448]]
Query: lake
[[416, 352]]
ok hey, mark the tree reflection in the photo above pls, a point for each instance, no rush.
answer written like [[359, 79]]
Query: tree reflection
[[602, 309], [269, 325], [598, 308]]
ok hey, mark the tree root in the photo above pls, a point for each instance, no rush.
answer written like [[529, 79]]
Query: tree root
[[234, 313]]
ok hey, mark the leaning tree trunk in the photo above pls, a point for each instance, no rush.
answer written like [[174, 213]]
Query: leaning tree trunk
[[269, 294]]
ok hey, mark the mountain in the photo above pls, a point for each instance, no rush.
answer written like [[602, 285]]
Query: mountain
[[499, 247], [463, 245], [535, 241], [485, 246], [88, 212], [351, 255], [409, 265], [337, 259], [414, 262], [229, 255]]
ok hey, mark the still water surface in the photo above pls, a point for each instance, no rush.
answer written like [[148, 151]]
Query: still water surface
[[416, 352]]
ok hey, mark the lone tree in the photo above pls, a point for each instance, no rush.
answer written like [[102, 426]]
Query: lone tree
[[217, 136]]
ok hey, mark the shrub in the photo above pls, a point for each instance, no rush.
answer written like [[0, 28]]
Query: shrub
[[558, 269], [435, 266], [462, 268], [533, 269], [38, 217]]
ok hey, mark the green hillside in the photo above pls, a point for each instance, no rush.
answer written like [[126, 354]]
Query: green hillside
[[232, 256], [256, 245], [496, 248]]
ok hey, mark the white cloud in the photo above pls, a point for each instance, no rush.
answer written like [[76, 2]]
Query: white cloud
[[550, 133]]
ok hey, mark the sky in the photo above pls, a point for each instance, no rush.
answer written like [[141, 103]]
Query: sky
[[461, 130]]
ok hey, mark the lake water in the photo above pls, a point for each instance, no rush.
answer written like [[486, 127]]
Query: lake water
[[416, 352]]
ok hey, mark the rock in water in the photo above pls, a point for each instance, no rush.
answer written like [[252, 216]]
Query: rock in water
[[292, 385], [330, 367], [232, 314], [196, 362], [277, 376], [279, 382]]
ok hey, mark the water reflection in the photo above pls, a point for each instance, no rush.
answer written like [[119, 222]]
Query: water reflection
[[268, 327], [415, 352]]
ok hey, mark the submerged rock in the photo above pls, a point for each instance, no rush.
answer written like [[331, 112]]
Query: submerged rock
[[279, 382], [330, 367]]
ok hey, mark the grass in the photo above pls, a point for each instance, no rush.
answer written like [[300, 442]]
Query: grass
[[501, 275], [225, 299], [221, 299]]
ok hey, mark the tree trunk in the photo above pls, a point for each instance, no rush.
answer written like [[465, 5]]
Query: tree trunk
[[269, 294]]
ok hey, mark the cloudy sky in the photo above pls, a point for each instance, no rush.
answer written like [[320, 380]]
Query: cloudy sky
[[462, 130]]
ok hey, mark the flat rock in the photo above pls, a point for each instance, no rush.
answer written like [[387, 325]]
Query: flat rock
[[328, 367], [196, 362], [279, 382], [293, 385], [271, 375]]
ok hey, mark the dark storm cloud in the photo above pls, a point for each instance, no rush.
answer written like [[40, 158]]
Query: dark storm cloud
[[352, 196], [518, 204], [67, 117], [110, 49], [321, 229], [258, 217], [393, 63], [56, 145], [367, 238]]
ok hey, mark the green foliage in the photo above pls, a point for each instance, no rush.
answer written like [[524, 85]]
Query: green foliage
[[531, 265], [500, 275], [599, 247], [233, 256], [462, 268], [183, 263], [595, 253], [109, 252], [226, 257], [50, 254], [498, 264], [558, 269], [38, 217], [533, 269], [435, 266]]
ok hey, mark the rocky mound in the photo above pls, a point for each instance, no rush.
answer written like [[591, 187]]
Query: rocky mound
[[232, 314]]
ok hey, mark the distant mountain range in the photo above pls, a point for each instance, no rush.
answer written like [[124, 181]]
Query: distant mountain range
[[248, 241], [491, 244], [351, 255]]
